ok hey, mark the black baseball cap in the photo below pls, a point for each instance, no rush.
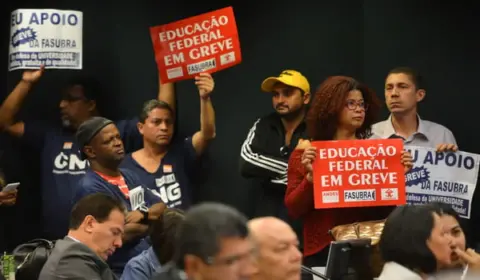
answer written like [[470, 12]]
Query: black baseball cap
[[88, 129]]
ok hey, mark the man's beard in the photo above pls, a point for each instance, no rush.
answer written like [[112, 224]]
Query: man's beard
[[66, 123], [113, 163]]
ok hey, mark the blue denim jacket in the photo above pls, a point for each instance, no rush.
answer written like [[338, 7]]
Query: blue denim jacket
[[141, 267]]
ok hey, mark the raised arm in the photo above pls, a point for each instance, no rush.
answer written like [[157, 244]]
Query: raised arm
[[200, 139], [166, 93], [254, 161], [14, 101]]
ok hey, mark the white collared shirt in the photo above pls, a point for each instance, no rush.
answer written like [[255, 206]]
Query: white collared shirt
[[428, 134], [74, 239], [395, 271]]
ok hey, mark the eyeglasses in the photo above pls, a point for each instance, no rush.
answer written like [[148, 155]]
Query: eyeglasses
[[353, 105]]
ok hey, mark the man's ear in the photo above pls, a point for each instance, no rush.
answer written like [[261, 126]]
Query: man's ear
[[420, 94], [88, 150], [92, 105], [193, 266], [140, 127], [306, 98], [89, 223]]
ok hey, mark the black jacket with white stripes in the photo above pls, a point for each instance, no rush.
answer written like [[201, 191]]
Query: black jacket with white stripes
[[264, 154]]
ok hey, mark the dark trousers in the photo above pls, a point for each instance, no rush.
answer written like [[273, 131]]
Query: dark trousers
[[269, 201]]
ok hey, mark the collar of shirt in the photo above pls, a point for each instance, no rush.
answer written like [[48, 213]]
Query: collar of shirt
[[74, 239], [389, 130], [393, 270]]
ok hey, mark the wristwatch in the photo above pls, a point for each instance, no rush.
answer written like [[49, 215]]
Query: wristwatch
[[145, 215]]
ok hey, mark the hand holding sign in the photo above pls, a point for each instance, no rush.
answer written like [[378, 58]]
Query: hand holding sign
[[446, 148], [407, 161], [308, 158], [205, 84], [33, 76]]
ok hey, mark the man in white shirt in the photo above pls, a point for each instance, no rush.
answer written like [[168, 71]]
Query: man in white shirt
[[403, 91]]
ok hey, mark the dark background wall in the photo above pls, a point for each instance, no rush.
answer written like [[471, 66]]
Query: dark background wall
[[363, 39]]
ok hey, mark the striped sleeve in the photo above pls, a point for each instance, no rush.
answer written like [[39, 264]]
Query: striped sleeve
[[254, 162]]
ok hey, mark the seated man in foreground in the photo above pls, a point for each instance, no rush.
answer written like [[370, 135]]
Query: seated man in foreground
[[212, 243], [278, 254], [95, 232]]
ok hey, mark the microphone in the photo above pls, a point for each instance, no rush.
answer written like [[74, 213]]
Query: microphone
[[313, 272]]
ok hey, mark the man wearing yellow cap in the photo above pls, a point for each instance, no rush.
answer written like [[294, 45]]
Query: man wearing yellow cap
[[265, 151]]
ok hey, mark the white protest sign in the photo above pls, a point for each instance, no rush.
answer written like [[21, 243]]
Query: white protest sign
[[137, 198], [45, 37], [449, 177]]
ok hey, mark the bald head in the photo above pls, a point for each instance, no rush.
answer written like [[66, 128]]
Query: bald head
[[279, 257], [267, 227]]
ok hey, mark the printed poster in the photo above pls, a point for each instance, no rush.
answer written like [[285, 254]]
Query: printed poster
[[449, 177], [358, 173], [203, 43], [45, 37]]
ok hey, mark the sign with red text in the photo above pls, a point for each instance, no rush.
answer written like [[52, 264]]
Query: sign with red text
[[203, 43], [358, 173]]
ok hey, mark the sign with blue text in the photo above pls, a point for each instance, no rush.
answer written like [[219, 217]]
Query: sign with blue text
[[448, 177], [48, 37]]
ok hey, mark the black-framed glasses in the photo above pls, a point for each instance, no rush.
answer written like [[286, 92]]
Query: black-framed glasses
[[353, 105]]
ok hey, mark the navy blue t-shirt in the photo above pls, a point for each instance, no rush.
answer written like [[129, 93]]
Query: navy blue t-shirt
[[94, 183], [173, 179], [62, 167]]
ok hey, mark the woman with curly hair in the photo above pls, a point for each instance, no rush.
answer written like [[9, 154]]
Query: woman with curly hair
[[342, 109]]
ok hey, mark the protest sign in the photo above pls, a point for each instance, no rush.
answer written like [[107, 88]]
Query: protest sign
[[204, 43], [358, 173], [443, 177], [45, 37]]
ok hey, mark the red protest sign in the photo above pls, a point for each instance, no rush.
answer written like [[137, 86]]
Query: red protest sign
[[358, 173], [203, 43]]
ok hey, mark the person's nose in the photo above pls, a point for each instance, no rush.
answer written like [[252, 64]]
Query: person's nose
[[358, 109], [63, 104], [452, 241], [117, 142], [296, 254], [395, 93], [281, 99], [163, 126], [118, 242]]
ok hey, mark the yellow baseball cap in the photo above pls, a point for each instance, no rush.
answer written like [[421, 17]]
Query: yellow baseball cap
[[290, 78]]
